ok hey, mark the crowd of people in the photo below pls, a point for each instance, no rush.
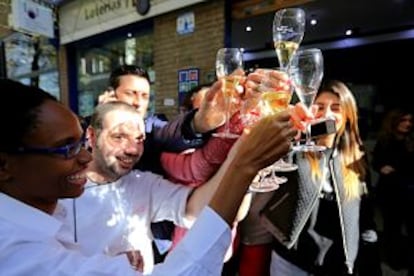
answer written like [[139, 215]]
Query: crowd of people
[[93, 198]]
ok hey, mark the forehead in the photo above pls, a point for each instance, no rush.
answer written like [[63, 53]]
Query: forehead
[[122, 120], [134, 82], [327, 97], [55, 124]]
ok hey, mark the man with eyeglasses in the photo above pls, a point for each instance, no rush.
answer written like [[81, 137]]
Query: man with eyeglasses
[[41, 162]]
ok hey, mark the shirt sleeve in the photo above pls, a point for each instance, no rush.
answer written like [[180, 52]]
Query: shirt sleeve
[[202, 250]]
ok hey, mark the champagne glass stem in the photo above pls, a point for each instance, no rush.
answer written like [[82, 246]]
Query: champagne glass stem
[[308, 134], [228, 100]]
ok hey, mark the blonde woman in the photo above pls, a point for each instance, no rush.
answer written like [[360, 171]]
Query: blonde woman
[[319, 217]]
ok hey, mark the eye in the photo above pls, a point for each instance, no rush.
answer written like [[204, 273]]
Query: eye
[[129, 93], [140, 139], [117, 137]]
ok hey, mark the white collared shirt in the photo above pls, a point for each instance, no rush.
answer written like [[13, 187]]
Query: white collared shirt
[[116, 217], [35, 243]]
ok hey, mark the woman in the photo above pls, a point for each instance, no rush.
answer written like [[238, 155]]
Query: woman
[[393, 159], [45, 136], [322, 211]]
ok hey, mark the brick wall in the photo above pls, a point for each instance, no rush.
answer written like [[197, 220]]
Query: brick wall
[[173, 52], [5, 10]]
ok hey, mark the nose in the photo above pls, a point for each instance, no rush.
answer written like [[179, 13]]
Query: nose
[[137, 99], [84, 156], [132, 147]]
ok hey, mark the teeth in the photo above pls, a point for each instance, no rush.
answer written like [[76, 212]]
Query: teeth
[[76, 177], [127, 159]]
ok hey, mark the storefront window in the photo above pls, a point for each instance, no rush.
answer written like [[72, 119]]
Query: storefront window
[[32, 60], [95, 64]]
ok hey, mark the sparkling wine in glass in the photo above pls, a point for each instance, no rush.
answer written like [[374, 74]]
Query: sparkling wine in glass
[[306, 72], [274, 99], [288, 32], [229, 61]]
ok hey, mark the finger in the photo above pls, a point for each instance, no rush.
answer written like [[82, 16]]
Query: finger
[[212, 92], [302, 112], [314, 109]]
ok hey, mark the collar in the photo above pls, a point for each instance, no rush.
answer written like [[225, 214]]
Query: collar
[[27, 216]]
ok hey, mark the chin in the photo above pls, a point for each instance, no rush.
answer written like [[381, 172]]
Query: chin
[[74, 193]]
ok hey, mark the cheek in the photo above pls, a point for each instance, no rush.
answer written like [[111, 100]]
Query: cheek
[[46, 176], [144, 102], [338, 121]]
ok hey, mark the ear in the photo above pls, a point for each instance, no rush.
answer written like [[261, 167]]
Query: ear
[[5, 172], [91, 136]]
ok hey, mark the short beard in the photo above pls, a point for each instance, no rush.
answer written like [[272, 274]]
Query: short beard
[[106, 169]]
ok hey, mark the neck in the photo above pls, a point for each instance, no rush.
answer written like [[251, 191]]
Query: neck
[[327, 140], [97, 176]]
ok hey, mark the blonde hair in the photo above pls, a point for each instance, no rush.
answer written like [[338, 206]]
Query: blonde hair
[[348, 142]]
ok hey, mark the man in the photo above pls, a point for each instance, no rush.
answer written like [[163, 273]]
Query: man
[[131, 84], [42, 161], [119, 203]]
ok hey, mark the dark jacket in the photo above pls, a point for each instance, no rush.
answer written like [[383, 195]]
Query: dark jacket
[[314, 229]]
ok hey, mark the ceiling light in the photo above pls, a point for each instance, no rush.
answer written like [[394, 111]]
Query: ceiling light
[[313, 22], [129, 35], [348, 32], [248, 28]]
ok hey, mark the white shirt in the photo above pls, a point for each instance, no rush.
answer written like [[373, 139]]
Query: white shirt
[[35, 243], [115, 217]]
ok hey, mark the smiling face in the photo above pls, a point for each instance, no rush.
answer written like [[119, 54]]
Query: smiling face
[[118, 145], [40, 179], [329, 105]]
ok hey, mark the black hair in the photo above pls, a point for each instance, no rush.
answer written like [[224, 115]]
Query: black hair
[[187, 101], [124, 70], [19, 108]]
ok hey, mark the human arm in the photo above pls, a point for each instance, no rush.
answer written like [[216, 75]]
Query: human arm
[[197, 166], [268, 140]]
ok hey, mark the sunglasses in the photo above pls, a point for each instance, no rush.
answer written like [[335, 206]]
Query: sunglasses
[[67, 151]]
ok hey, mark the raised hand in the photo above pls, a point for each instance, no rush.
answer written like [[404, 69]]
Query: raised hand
[[107, 96], [212, 112]]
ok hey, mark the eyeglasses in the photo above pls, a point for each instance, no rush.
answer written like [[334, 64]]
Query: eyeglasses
[[67, 151]]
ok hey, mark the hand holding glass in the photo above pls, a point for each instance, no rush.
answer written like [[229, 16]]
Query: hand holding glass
[[306, 72], [228, 62], [275, 97]]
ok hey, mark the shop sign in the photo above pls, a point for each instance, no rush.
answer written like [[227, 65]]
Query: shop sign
[[80, 19]]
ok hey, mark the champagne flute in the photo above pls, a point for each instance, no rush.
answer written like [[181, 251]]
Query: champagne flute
[[306, 71], [274, 99], [288, 31], [228, 61]]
